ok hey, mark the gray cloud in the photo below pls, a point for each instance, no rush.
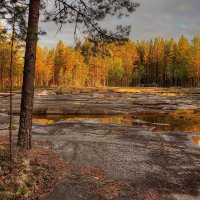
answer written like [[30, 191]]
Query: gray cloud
[[166, 18]]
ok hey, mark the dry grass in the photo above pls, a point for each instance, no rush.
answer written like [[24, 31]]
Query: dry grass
[[32, 173], [187, 114], [196, 140], [109, 188]]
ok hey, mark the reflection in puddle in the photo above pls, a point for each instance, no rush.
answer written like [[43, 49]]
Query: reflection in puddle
[[51, 119], [165, 122], [75, 103], [196, 140], [160, 122]]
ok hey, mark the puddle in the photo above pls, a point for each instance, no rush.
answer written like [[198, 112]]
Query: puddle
[[160, 122], [51, 119], [196, 140], [75, 103], [165, 122]]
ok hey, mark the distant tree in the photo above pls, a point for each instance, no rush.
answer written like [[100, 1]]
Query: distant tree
[[195, 60], [50, 64], [116, 72], [138, 74], [168, 61], [59, 61], [183, 59], [129, 59], [42, 70]]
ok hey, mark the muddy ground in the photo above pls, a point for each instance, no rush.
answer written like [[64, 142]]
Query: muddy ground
[[114, 160]]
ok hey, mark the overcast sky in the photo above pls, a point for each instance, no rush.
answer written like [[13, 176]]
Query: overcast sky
[[167, 18]]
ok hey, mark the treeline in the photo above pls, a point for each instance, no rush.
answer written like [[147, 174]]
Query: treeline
[[170, 63], [160, 62], [86, 65]]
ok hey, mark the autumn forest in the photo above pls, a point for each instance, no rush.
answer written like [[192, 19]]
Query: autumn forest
[[99, 99], [159, 62]]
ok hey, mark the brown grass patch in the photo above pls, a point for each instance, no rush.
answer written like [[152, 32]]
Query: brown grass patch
[[109, 188], [32, 173]]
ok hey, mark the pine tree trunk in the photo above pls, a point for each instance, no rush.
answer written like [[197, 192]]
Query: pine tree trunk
[[11, 91], [25, 129]]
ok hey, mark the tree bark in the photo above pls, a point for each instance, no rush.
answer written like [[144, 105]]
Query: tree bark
[[25, 129]]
